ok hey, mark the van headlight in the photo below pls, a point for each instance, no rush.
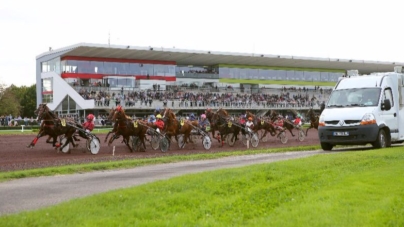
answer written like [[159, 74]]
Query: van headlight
[[368, 119], [321, 120]]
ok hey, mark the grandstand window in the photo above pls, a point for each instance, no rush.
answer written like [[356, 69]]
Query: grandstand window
[[224, 72], [289, 74], [324, 76], [159, 70], [298, 75], [171, 70], [97, 67], [45, 66], [264, 74], [240, 73], [134, 69]]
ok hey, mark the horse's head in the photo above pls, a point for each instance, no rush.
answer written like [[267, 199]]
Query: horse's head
[[119, 114], [111, 114], [43, 112]]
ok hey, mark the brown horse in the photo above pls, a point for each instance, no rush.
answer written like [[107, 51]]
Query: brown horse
[[261, 124], [313, 120], [54, 127], [140, 130], [175, 127], [125, 127], [115, 124]]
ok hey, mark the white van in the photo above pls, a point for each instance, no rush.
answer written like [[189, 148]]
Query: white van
[[364, 109]]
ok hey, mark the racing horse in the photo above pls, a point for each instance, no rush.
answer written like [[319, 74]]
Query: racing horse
[[124, 126], [287, 124], [54, 127], [261, 124], [222, 122], [140, 130], [173, 127], [313, 120]]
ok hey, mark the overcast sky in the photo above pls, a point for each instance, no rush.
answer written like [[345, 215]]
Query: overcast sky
[[363, 30]]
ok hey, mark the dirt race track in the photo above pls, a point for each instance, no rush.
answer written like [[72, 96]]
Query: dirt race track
[[14, 154]]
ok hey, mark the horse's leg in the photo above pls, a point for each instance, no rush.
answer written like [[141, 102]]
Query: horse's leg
[[39, 135], [48, 140], [308, 129], [126, 139], [113, 137], [290, 128], [142, 138], [106, 138]]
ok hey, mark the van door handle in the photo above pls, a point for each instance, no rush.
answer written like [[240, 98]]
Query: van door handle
[[395, 115]]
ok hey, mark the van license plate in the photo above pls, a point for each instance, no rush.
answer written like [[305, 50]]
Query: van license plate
[[341, 133]]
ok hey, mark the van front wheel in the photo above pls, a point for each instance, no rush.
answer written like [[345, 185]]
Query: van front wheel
[[326, 146], [381, 141]]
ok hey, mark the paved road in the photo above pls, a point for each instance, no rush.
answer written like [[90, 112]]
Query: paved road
[[33, 193]]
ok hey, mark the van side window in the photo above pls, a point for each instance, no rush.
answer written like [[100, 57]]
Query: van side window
[[389, 95]]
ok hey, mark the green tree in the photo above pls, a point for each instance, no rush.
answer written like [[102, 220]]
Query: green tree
[[28, 102], [9, 104]]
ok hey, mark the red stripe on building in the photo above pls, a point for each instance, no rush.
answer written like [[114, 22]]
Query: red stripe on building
[[78, 58], [47, 92]]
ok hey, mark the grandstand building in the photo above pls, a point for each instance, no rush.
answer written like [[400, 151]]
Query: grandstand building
[[95, 77]]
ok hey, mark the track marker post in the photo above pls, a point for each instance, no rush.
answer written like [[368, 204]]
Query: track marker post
[[113, 151]]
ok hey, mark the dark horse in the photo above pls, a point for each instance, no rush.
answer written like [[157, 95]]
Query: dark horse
[[222, 122], [313, 120], [54, 127], [261, 124]]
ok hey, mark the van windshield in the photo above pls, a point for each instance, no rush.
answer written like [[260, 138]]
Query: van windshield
[[354, 97]]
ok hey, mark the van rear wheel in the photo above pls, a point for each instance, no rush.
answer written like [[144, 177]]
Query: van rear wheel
[[326, 146], [381, 141]]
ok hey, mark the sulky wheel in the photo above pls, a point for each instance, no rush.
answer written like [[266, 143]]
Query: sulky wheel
[[283, 137], [255, 140], [181, 141], [229, 141], [301, 136], [244, 138], [206, 142], [66, 149], [155, 142], [164, 144], [93, 145], [134, 143]]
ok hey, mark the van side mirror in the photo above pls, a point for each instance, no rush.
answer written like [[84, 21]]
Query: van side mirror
[[386, 105]]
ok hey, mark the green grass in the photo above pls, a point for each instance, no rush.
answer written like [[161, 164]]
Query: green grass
[[276, 82], [360, 188], [281, 68], [130, 163]]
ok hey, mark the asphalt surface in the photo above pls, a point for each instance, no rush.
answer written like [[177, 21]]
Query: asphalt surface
[[34, 193]]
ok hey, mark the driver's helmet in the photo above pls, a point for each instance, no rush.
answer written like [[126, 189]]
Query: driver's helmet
[[152, 117], [90, 117], [119, 108], [250, 118], [203, 116], [158, 116], [280, 116], [192, 115], [299, 116], [208, 109]]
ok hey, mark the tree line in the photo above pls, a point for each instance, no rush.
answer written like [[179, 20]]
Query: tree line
[[17, 101]]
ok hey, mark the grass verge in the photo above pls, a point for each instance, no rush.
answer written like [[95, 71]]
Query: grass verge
[[361, 188], [71, 169]]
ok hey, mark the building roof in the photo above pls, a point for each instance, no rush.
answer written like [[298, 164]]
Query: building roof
[[207, 58]]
